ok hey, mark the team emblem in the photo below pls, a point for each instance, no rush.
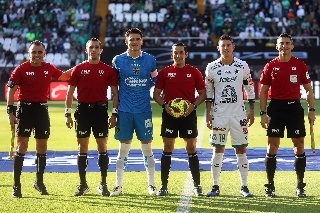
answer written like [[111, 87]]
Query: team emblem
[[136, 71]]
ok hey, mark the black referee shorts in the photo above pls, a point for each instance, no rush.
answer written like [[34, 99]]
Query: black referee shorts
[[186, 126], [287, 114], [91, 116], [33, 117]]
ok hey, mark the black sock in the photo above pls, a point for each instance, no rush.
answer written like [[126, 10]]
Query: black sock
[[17, 167], [165, 167], [41, 161], [300, 167], [271, 165], [194, 168], [82, 167], [103, 162]]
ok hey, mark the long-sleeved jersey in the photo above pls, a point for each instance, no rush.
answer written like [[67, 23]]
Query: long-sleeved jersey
[[224, 84]]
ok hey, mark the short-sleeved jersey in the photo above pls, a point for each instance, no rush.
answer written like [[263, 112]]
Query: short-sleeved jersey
[[224, 83], [180, 82], [92, 81], [134, 81], [34, 82], [285, 78]]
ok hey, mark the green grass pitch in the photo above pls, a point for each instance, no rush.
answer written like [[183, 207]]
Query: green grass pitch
[[61, 186]]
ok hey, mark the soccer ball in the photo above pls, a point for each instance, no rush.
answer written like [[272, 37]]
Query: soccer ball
[[178, 107]]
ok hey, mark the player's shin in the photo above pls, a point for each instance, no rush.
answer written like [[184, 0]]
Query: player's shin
[[82, 167], [300, 167], [40, 161], [271, 165], [243, 167], [216, 165], [194, 168], [165, 168], [103, 162], [149, 162], [17, 167], [122, 162]]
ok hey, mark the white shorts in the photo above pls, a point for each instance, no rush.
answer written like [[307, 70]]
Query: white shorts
[[238, 127]]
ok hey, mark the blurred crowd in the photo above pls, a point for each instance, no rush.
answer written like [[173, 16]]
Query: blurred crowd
[[250, 20], [61, 25]]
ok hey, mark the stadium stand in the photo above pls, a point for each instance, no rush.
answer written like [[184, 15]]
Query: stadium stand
[[71, 22]]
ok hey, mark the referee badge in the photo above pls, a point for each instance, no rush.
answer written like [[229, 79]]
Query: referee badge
[[293, 79]]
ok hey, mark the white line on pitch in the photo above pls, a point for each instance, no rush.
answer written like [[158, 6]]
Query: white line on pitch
[[186, 194]]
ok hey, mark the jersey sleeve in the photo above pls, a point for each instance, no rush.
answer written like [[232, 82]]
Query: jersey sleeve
[[73, 81], [113, 81], [209, 84], [265, 77], [16, 75], [114, 63], [248, 83], [200, 84], [160, 80], [56, 73], [305, 78]]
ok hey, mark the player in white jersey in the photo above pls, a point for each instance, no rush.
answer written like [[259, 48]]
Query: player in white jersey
[[226, 112]]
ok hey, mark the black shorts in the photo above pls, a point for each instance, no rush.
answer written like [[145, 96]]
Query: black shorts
[[33, 117], [91, 116], [286, 114], [186, 126]]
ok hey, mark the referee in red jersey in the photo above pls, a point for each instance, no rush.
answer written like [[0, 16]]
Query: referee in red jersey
[[179, 80], [284, 75], [92, 78], [32, 78]]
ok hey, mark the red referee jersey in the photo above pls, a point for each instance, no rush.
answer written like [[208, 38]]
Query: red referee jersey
[[34, 82], [92, 81], [180, 82], [285, 78]]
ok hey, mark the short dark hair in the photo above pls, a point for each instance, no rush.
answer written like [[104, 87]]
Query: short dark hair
[[285, 35], [133, 31], [180, 44], [37, 43], [95, 39], [225, 37]]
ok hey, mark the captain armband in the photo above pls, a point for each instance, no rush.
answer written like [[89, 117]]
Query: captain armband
[[251, 100], [209, 100], [11, 84]]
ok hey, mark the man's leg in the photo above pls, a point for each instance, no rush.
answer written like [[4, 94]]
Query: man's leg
[[123, 153], [271, 164], [103, 162], [82, 161], [149, 164], [168, 146], [300, 162], [243, 167], [216, 165]]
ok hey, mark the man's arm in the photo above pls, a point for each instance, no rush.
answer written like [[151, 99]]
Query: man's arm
[[68, 105], [10, 103], [310, 100], [65, 75], [114, 111], [263, 105]]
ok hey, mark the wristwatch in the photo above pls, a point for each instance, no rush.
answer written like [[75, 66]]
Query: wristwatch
[[312, 109], [263, 112], [194, 106]]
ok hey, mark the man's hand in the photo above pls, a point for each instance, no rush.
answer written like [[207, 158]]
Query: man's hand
[[112, 121], [264, 121], [209, 120], [12, 119], [250, 118], [69, 122]]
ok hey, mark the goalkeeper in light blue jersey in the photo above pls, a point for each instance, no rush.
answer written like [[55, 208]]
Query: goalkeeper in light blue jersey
[[136, 70]]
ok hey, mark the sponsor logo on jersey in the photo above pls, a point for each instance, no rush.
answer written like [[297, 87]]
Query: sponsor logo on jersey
[[85, 72], [294, 68], [136, 82], [228, 79], [188, 75], [276, 68], [30, 73], [219, 129], [171, 75]]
